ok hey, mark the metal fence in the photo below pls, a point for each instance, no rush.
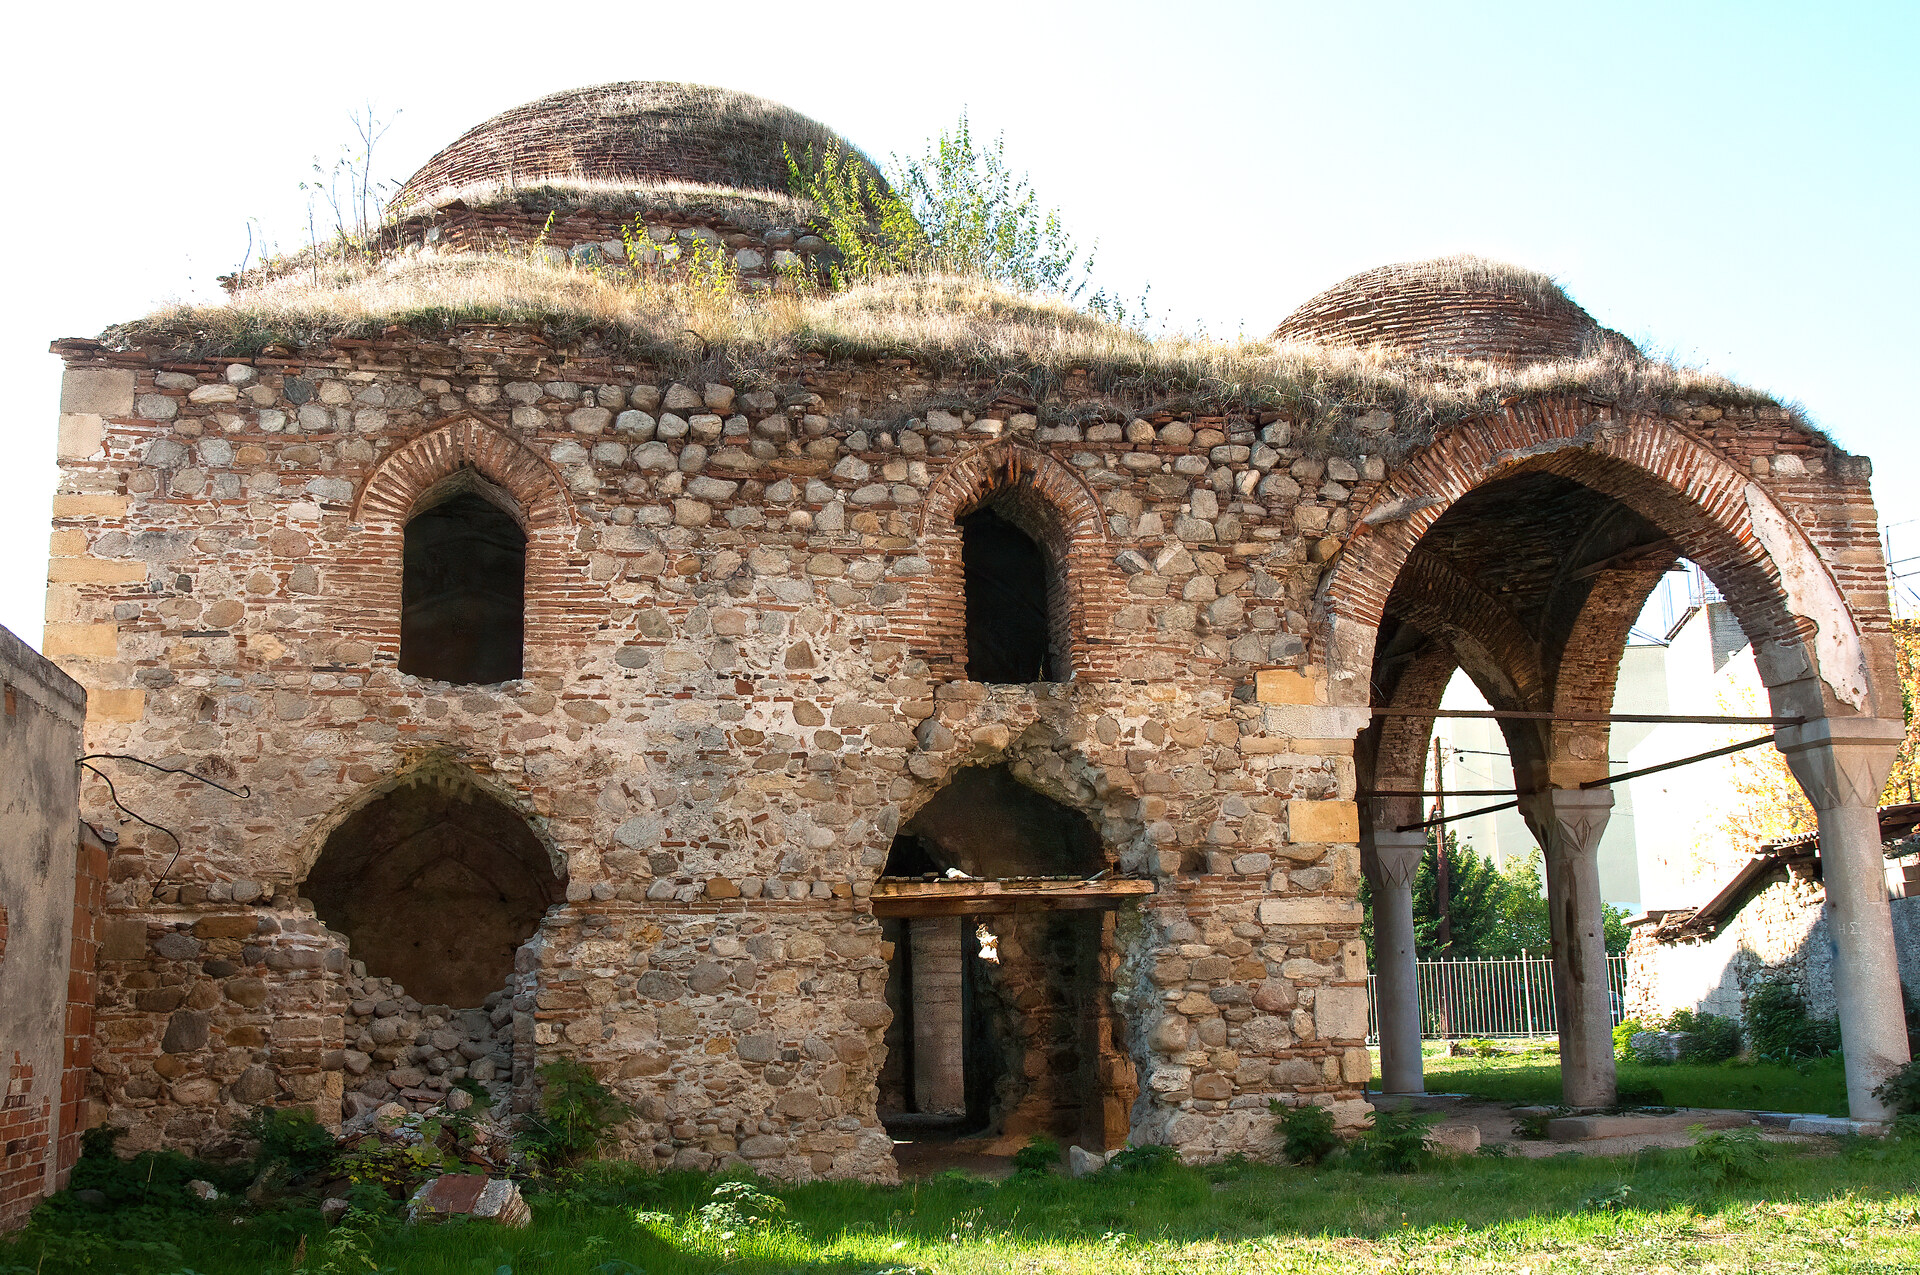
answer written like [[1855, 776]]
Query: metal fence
[[1484, 999]]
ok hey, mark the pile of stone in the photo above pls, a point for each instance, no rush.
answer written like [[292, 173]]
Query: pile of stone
[[400, 1051]]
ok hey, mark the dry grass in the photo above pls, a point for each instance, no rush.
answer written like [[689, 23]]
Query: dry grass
[[1030, 346]]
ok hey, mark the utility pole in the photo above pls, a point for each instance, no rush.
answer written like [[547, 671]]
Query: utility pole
[[1442, 887]]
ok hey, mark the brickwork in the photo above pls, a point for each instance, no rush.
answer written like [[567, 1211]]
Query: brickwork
[[27, 1125], [1435, 309]]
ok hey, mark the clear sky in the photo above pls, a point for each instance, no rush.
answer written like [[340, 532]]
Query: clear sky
[[1735, 184]]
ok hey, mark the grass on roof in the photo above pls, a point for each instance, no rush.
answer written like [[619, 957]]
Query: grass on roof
[[1030, 345]]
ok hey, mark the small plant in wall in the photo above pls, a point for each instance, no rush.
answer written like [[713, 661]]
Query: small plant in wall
[[577, 1115]]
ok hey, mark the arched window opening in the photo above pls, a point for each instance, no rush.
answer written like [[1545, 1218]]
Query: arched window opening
[[435, 887], [463, 588], [1014, 603]]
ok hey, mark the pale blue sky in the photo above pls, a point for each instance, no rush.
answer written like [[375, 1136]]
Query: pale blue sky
[[1735, 184]]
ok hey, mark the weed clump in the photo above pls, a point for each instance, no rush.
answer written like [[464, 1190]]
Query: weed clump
[[577, 1116], [1306, 1131], [1040, 1157], [1396, 1142], [1780, 1029]]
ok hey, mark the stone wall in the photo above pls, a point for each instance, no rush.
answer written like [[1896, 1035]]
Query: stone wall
[[1781, 934], [45, 872], [744, 672]]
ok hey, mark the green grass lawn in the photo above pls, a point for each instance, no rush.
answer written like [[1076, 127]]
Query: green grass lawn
[[1856, 1211], [1817, 1087]]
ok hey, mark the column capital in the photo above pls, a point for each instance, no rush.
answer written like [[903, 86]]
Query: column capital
[[1841, 761], [1567, 822], [1393, 858]]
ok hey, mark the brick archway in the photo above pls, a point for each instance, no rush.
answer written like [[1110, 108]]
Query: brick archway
[[1051, 504], [1808, 639], [560, 609]]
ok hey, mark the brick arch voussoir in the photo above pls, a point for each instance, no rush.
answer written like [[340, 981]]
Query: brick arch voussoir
[[560, 612], [993, 467], [1077, 533], [467, 441], [1680, 485]]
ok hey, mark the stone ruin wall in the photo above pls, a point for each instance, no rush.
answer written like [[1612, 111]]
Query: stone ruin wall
[[743, 650]]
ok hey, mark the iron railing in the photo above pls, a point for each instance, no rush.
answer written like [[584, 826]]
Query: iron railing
[[1492, 998]]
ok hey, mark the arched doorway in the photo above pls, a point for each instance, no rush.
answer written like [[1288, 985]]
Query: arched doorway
[[1003, 1025], [436, 884]]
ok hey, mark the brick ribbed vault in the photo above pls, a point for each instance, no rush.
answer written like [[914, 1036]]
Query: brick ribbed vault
[[1811, 649], [562, 604]]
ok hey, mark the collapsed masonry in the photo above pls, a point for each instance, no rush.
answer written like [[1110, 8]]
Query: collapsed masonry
[[844, 740]]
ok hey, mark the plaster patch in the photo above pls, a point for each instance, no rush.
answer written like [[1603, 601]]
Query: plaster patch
[[1812, 595]]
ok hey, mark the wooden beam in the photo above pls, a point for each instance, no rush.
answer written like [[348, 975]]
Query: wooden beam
[[987, 898]]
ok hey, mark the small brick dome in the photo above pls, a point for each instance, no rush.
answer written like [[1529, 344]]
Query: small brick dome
[[636, 132], [1450, 308]]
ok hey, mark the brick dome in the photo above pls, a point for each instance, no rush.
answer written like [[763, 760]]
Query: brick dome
[[640, 132], [1449, 308]]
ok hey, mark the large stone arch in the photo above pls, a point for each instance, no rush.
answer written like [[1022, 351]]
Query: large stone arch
[[1813, 653], [466, 449]]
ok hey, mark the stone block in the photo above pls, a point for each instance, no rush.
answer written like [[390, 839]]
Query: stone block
[[1310, 911], [116, 704], [89, 641], [1322, 821], [469, 1195], [94, 571], [1455, 1139], [1340, 1013], [80, 435], [99, 391], [1283, 686], [73, 505]]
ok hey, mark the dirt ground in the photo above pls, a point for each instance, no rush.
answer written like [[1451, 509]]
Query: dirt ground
[[933, 1152]]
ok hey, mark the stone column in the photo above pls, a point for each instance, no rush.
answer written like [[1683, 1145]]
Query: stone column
[[1567, 822], [939, 1030], [1391, 859], [1842, 763]]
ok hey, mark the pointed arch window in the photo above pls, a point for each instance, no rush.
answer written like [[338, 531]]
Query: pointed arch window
[[463, 584], [1012, 553]]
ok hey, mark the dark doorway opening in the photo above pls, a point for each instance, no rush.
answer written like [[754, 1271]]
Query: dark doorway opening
[[1002, 1024], [436, 888], [1012, 596], [463, 591]]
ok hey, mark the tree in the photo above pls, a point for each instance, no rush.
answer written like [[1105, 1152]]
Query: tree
[[1903, 783], [956, 209], [1494, 912]]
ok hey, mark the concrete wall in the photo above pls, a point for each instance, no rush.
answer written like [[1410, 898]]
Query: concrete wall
[[39, 839]]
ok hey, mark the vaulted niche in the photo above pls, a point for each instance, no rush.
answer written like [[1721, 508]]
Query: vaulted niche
[[435, 884], [463, 588], [1016, 593]]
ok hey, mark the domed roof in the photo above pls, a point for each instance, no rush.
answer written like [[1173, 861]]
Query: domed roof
[[640, 132], [1451, 308]]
